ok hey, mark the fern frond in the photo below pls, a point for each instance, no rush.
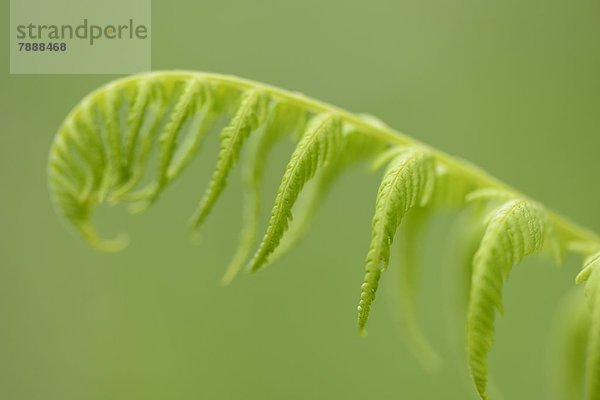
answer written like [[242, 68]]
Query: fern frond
[[408, 182], [248, 117], [317, 147], [190, 146], [144, 122], [182, 110], [516, 229], [282, 119], [102, 153], [356, 148]]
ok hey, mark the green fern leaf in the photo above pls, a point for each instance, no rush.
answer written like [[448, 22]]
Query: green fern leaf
[[202, 123], [144, 122], [283, 119], [183, 109], [247, 119], [515, 230], [408, 181], [356, 147], [194, 107], [316, 148]]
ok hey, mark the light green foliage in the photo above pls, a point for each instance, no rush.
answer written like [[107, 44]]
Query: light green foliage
[[408, 182], [356, 147], [103, 151], [515, 230], [282, 119], [247, 118], [316, 149]]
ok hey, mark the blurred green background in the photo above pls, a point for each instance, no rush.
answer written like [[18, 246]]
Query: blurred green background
[[512, 86]]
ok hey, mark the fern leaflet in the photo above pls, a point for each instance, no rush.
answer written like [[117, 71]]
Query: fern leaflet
[[408, 182]]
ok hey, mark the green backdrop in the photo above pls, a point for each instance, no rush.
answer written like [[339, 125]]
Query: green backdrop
[[510, 85]]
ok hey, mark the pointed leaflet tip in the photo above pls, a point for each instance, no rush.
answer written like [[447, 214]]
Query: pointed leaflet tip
[[406, 182], [281, 119], [317, 147], [246, 119]]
